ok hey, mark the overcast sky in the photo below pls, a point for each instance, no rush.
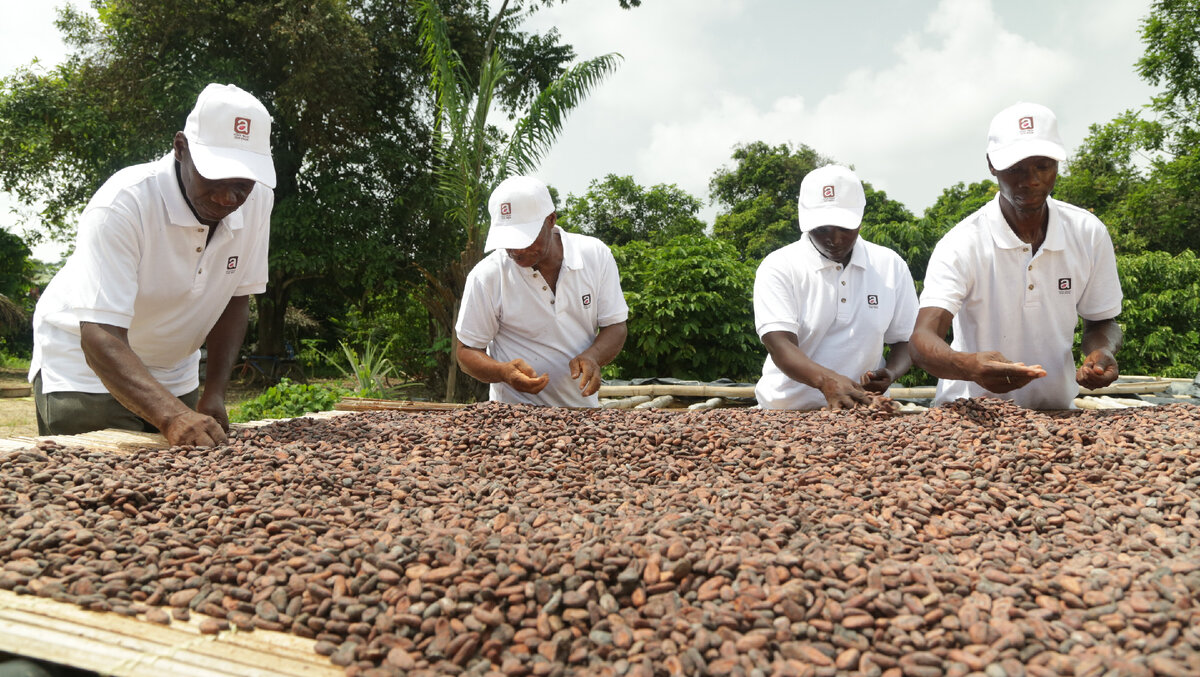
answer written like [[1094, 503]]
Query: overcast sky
[[901, 89]]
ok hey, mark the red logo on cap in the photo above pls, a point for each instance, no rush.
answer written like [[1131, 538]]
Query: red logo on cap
[[827, 192], [241, 127], [505, 209], [1026, 123]]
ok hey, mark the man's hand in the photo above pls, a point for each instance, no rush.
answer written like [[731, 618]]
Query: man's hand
[[842, 393], [1099, 370], [877, 381], [523, 378], [192, 428], [213, 405], [587, 370], [997, 374]]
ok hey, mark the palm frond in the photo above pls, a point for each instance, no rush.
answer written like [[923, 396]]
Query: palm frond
[[535, 133], [11, 315], [445, 65]]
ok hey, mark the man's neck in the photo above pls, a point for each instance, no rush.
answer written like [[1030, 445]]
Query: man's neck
[[550, 267], [212, 225], [1028, 225]]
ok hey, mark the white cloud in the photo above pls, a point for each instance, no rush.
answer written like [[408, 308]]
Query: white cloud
[[907, 103], [911, 127]]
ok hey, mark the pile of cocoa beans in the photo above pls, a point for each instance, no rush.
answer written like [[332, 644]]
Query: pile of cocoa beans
[[973, 539]]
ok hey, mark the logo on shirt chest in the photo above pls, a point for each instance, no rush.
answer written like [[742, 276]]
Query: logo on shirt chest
[[873, 300], [587, 300], [1064, 285], [231, 265]]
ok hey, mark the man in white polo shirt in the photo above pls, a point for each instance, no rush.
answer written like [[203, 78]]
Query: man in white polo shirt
[[1015, 277], [825, 305], [542, 313], [166, 257]]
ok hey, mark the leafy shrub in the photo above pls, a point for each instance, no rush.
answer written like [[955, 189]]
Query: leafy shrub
[[11, 357], [288, 400], [370, 369], [1159, 316], [691, 311]]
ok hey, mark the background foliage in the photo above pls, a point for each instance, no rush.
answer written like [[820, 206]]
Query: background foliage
[[690, 310], [618, 211]]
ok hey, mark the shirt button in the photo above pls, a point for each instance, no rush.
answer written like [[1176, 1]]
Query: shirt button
[[543, 287], [843, 300], [551, 301], [200, 271], [839, 267], [535, 274], [843, 283], [199, 249], [1031, 286], [1031, 267], [1025, 249], [199, 230]]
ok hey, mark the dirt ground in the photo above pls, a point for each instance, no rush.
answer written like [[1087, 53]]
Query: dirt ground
[[16, 413]]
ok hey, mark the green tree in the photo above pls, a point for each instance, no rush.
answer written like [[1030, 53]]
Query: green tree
[[618, 211], [1141, 175], [758, 196], [16, 275], [914, 239], [345, 83], [1171, 33], [691, 311], [471, 158], [329, 79]]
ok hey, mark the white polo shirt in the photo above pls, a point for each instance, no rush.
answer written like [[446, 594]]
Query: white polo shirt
[[511, 311], [842, 317], [1026, 305], [141, 263]]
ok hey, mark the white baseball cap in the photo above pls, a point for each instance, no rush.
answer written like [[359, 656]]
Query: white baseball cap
[[831, 196], [229, 135], [1024, 130], [519, 206]]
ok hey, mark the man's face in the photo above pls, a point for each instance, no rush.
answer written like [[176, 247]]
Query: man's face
[[536, 252], [1028, 183], [212, 200], [834, 243]]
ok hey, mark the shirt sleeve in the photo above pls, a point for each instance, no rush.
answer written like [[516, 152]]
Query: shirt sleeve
[[905, 319], [1101, 299], [774, 300], [613, 309], [255, 281], [109, 249], [478, 316], [946, 278]]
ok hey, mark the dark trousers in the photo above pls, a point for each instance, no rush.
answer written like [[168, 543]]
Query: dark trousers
[[72, 413]]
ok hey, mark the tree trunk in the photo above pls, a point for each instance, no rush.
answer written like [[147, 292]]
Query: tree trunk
[[452, 372], [272, 306]]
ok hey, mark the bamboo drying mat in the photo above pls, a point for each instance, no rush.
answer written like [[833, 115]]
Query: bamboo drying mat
[[1128, 385], [113, 644], [368, 404]]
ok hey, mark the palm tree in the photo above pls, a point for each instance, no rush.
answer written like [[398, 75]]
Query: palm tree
[[11, 315], [468, 166]]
